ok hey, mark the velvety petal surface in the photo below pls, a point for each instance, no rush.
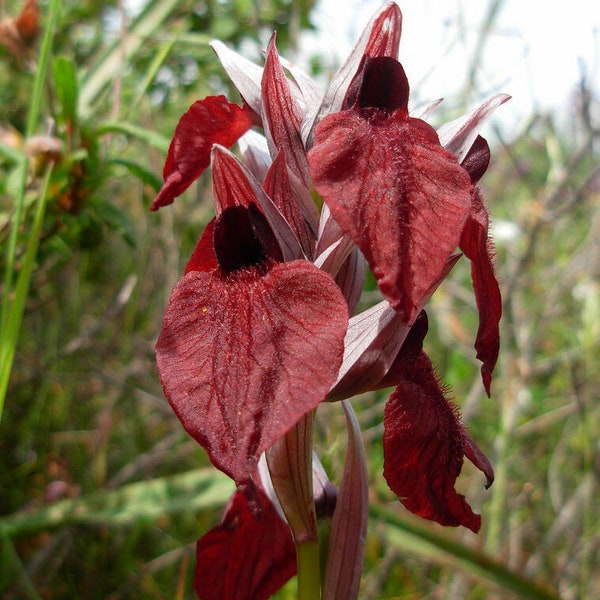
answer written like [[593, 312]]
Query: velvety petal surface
[[478, 248], [401, 197], [278, 187], [282, 116], [211, 121], [424, 443], [249, 556], [242, 357], [204, 258]]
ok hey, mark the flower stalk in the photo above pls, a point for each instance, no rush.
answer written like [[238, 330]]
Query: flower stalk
[[309, 570]]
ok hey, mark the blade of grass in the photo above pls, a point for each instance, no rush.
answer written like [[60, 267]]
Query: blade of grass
[[192, 491], [152, 138], [153, 69], [13, 307], [443, 549], [11, 154], [12, 326], [107, 65]]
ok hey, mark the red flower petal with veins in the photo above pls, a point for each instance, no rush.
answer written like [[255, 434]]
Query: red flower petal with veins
[[477, 246], [400, 196], [390, 185], [249, 556], [213, 120], [424, 444], [243, 356], [278, 187], [282, 116]]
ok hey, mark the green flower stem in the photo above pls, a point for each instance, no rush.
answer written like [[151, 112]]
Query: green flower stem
[[309, 570]]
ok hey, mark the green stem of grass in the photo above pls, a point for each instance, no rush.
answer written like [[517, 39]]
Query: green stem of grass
[[13, 301], [497, 509], [309, 570], [12, 326], [442, 548]]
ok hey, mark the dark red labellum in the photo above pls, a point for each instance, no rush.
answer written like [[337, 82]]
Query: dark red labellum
[[242, 238], [380, 83]]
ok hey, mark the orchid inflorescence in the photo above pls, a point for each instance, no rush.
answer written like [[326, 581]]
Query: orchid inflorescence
[[262, 328]]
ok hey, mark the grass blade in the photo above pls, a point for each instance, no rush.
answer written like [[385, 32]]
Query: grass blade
[[12, 326], [121, 51], [443, 549], [192, 491], [12, 308]]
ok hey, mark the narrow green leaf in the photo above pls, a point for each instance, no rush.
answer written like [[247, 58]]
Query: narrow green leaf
[[12, 326], [152, 70], [191, 492], [121, 51], [65, 81], [10, 153], [140, 172], [13, 569], [148, 136], [12, 308], [442, 548]]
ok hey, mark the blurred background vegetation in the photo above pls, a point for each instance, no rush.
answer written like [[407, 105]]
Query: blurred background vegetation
[[102, 494]]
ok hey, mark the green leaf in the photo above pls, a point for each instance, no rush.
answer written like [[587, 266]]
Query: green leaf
[[140, 172], [65, 81], [190, 492], [120, 51], [13, 299], [12, 325], [148, 136], [10, 153], [443, 548]]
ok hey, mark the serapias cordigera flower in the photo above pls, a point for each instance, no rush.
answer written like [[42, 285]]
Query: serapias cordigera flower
[[262, 327]]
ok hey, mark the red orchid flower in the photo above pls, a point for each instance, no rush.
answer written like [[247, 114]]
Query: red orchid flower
[[262, 327]]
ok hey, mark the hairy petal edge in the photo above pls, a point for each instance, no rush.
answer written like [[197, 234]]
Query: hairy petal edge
[[424, 444], [478, 248]]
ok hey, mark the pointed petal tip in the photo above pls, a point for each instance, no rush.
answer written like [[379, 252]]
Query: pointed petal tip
[[168, 192], [474, 453], [207, 122], [486, 377]]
